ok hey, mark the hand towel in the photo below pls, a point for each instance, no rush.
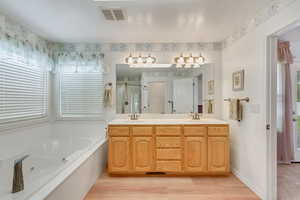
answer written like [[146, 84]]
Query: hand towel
[[235, 110], [108, 97], [210, 106]]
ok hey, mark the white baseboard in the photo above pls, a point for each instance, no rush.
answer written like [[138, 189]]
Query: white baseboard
[[247, 182]]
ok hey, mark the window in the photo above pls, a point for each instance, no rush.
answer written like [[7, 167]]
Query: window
[[23, 91], [81, 91]]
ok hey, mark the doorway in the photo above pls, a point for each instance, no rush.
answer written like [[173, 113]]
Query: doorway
[[157, 99], [284, 114], [183, 95], [296, 109]]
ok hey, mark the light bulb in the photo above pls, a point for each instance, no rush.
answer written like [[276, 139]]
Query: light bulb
[[130, 60], [200, 59], [180, 60], [140, 59], [150, 59], [190, 60]]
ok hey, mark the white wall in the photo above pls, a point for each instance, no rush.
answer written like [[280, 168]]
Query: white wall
[[248, 138]]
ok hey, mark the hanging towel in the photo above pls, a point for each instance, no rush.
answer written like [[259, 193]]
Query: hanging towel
[[210, 106], [108, 97], [235, 110]]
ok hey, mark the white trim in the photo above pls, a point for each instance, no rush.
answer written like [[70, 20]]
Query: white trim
[[81, 118], [248, 183], [271, 112], [7, 128]]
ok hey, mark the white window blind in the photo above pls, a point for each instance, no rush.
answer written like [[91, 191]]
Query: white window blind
[[23, 91], [81, 92]]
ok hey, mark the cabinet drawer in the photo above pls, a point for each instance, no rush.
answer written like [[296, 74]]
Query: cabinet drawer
[[168, 142], [218, 131], [168, 130], [142, 131], [166, 154], [194, 130], [168, 166], [119, 131]]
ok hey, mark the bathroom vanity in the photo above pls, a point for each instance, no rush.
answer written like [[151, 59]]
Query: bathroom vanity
[[168, 146]]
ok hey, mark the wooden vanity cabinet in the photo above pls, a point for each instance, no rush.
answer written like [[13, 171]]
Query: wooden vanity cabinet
[[119, 154], [195, 148], [218, 154], [195, 154], [218, 149], [170, 149], [142, 154]]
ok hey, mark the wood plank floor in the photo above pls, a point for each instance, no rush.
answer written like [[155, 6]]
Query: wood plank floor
[[288, 182], [170, 188]]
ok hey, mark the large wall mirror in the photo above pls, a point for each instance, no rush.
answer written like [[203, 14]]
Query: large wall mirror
[[164, 89]]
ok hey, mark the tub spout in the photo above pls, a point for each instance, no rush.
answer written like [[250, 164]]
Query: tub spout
[[18, 181]]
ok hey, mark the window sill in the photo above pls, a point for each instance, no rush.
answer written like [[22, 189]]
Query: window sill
[[4, 128], [81, 118]]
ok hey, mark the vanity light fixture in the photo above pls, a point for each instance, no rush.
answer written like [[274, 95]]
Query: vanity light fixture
[[189, 62], [140, 60]]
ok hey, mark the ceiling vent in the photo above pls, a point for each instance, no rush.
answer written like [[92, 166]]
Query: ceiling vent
[[113, 14]]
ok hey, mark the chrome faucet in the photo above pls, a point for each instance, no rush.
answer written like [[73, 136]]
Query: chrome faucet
[[195, 116], [18, 181], [134, 116]]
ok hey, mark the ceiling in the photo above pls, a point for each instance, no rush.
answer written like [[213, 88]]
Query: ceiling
[[293, 36], [147, 20]]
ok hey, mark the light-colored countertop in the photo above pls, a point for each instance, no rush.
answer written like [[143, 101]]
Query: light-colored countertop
[[165, 121]]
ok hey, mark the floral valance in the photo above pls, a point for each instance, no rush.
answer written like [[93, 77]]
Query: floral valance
[[23, 46], [284, 52], [79, 61]]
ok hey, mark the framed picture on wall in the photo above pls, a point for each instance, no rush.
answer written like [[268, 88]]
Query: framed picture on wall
[[211, 87], [238, 80]]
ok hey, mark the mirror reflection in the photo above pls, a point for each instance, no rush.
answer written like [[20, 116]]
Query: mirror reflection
[[164, 89]]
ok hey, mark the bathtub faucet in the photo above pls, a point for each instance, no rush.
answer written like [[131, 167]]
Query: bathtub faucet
[[18, 181]]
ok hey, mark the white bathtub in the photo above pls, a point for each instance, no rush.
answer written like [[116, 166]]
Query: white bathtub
[[56, 152]]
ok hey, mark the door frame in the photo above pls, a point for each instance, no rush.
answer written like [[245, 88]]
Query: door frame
[[271, 107], [294, 94]]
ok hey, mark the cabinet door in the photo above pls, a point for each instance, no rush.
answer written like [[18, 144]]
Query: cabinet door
[[218, 154], [119, 154], [195, 154], [142, 154]]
